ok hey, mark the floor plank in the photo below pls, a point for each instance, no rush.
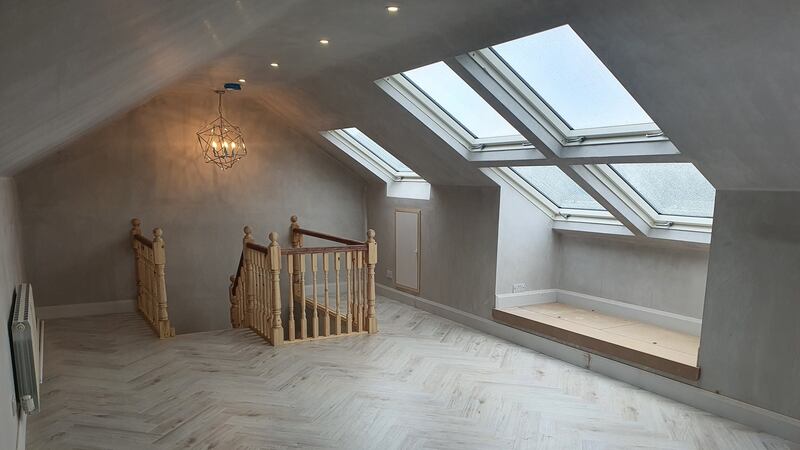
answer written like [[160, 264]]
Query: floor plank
[[421, 382]]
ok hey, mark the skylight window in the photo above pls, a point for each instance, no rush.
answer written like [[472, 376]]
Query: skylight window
[[557, 78], [558, 66], [444, 87], [557, 187], [400, 180], [377, 150], [671, 189]]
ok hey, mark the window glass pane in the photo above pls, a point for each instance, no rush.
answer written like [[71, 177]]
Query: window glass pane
[[456, 98], [554, 184], [571, 79], [675, 189], [377, 150]]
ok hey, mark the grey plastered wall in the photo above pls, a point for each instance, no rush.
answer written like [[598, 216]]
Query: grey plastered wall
[[11, 273], [77, 204], [750, 346], [665, 276], [527, 250], [459, 243]]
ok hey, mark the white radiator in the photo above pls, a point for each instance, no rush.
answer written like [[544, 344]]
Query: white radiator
[[26, 350]]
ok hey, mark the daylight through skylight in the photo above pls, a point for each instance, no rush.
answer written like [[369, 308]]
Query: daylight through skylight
[[457, 99], [676, 189], [564, 72], [554, 184], [377, 150]]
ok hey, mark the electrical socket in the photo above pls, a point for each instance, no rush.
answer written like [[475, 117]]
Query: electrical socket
[[519, 287], [389, 274]]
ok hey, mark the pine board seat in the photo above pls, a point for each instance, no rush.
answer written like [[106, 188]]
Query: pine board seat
[[640, 344]]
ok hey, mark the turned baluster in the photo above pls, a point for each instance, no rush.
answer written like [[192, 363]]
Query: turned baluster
[[137, 254], [249, 287], [303, 318], [235, 323], [258, 271], [290, 269], [297, 242], [267, 298], [336, 259], [314, 314], [275, 277], [360, 290], [372, 260], [326, 330], [349, 281], [268, 291], [160, 261]]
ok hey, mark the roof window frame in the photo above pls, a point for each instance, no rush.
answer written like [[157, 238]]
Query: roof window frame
[[446, 122], [499, 70]]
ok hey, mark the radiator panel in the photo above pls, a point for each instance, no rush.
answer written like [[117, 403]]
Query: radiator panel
[[24, 330]]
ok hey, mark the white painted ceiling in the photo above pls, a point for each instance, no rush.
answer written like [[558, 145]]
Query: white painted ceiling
[[719, 77]]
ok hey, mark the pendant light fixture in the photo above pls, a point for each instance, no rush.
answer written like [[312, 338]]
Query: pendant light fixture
[[221, 141]]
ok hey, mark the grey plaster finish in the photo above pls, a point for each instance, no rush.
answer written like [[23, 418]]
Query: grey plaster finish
[[664, 277], [750, 337], [11, 273], [459, 244], [717, 75], [76, 205]]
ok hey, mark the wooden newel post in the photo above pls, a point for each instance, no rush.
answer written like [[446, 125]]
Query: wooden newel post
[[297, 242], [249, 286], [160, 261], [232, 295], [136, 230], [372, 260], [275, 284]]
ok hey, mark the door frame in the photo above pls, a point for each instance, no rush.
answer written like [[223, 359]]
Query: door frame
[[397, 285]]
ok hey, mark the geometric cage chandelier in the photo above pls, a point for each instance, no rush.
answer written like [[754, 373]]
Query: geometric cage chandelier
[[221, 141]]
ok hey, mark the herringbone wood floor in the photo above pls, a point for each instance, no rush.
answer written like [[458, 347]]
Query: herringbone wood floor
[[423, 382]]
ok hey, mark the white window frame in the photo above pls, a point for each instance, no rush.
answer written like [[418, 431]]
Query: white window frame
[[518, 89], [370, 160], [547, 206], [446, 122], [643, 209], [400, 184]]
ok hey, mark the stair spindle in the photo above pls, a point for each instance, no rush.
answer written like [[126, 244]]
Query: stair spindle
[[290, 270], [336, 259], [314, 313], [326, 330]]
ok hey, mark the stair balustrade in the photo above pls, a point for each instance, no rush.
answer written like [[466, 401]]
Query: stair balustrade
[[151, 289], [339, 301]]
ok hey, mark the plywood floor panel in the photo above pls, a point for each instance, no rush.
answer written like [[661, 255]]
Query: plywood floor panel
[[640, 336]]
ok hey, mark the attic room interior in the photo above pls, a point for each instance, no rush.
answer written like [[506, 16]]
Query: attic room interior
[[358, 224]]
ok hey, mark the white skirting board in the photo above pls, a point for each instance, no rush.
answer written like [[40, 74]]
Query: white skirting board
[[753, 416], [22, 427], [85, 309], [624, 310], [526, 298]]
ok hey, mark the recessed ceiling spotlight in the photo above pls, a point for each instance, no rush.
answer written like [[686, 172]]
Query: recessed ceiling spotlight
[[242, 80], [324, 41], [393, 8], [274, 65]]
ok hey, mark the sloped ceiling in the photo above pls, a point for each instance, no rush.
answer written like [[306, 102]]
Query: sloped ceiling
[[719, 77]]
